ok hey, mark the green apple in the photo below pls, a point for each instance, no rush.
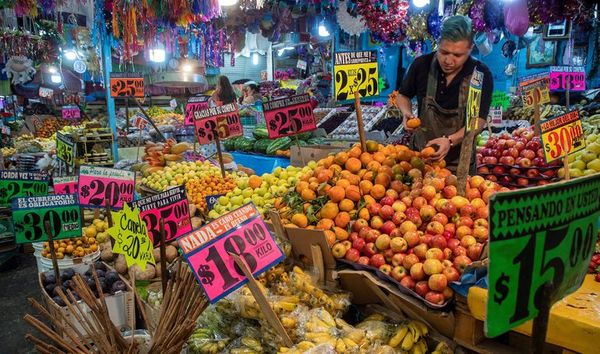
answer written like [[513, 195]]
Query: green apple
[[312, 164], [237, 200], [223, 200], [213, 214], [260, 191], [237, 191], [247, 193], [242, 183], [247, 200]]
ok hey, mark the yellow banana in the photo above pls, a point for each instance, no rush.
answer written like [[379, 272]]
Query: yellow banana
[[422, 327], [375, 317], [340, 346], [251, 342], [443, 348], [423, 345], [313, 336], [288, 322], [356, 335], [414, 330], [408, 341], [305, 345], [350, 344], [416, 350], [398, 337]]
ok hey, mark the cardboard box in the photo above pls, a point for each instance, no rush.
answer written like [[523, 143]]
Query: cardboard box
[[300, 155], [310, 247], [120, 306]]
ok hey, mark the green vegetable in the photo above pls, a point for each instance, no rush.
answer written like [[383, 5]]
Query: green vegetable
[[279, 144], [260, 132], [262, 145], [303, 136], [244, 144]]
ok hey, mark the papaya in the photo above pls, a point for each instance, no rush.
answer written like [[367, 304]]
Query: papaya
[[180, 148]]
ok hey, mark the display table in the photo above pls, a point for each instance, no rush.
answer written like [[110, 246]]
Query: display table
[[259, 163], [574, 322]]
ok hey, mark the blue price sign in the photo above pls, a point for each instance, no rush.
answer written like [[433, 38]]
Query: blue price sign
[[211, 200]]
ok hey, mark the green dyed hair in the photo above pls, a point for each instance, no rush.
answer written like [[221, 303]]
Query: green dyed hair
[[457, 28]]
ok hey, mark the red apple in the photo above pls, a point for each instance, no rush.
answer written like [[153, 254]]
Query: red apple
[[437, 282], [377, 260], [451, 273], [474, 251], [422, 288], [463, 231], [480, 233], [398, 244], [432, 266], [534, 144], [549, 173], [398, 273], [387, 227], [468, 211], [459, 251], [396, 233], [538, 161], [449, 191], [523, 182], [408, 283], [386, 201], [490, 160], [353, 236], [507, 160], [410, 260], [467, 241], [414, 218], [435, 297], [369, 249], [412, 238], [498, 170], [447, 253], [352, 255], [398, 206], [524, 162], [453, 243], [417, 272], [364, 231], [449, 209], [372, 235], [421, 250], [364, 260], [338, 250], [483, 170], [427, 212], [426, 238], [359, 244], [385, 269], [376, 222], [382, 242], [448, 293], [439, 241], [441, 218], [398, 218], [451, 228], [461, 262], [386, 212], [398, 259], [359, 224], [464, 221], [434, 253], [533, 173]]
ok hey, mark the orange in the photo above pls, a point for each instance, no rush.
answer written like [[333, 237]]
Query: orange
[[313, 185], [355, 152], [300, 220], [353, 193], [383, 179], [427, 152], [326, 162], [369, 200], [378, 191], [365, 186], [336, 194], [346, 205], [354, 180], [302, 185], [379, 157], [342, 219], [365, 158], [368, 176], [341, 158], [329, 210], [353, 165], [373, 166], [325, 224], [342, 182], [389, 161], [308, 194], [254, 182], [324, 189], [330, 237], [364, 214], [335, 169], [404, 155], [406, 166], [324, 176], [413, 123]]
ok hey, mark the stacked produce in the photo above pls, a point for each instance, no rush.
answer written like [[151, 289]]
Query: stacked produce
[[159, 154], [93, 235], [29, 144], [263, 190], [388, 209], [180, 173], [198, 189], [161, 116], [8, 151], [50, 126], [516, 161], [263, 145], [585, 162]]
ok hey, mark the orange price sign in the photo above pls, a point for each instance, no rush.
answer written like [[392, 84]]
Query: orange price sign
[[536, 92], [126, 85], [562, 136]]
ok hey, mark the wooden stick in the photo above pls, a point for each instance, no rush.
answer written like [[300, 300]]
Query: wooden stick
[[219, 154], [536, 111], [52, 252], [160, 134], [163, 257], [566, 167], [359, 120], [45, 330]]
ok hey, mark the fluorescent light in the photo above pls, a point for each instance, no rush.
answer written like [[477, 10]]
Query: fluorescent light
[[56, 79], [227, 2], [186, 68], [323, 31], [280, 52], [70, 54], [157, 55], [255, 58], [420, 3], [52, 70]]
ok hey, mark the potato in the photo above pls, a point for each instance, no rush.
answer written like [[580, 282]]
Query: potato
[[121, 264], [192, 209], [107, 255], [140, 274], [156, 254], [171, 253], [196, 222]]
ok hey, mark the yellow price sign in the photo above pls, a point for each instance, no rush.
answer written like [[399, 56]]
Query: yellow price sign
[[355, 71], [131, 237], [562, 136], [536, 92]]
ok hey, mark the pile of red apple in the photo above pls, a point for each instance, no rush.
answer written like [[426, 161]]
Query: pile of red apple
[[423, 239], [516, 161]]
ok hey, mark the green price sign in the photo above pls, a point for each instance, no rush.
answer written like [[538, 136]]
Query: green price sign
[[21, 184], [500, 99], [65, 149], [537, 236], [30, 215]]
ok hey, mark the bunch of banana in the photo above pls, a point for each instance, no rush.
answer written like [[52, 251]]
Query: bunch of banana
[[303, 284], [410, 337], [442, 348], [298, 348], [375, 328], [248, 345], [354, 338], [203, 342]]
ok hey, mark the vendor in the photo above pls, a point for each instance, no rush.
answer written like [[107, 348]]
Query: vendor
[[251, 93], [442, 101], [224, 93]]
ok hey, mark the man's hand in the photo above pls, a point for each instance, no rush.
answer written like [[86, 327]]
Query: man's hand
[[405, 118], [443, 146]]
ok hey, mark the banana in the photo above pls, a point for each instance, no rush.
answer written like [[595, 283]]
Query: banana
[[314, 336], [408, 341], [398, 337], [305, 345], [355, 335], [416, 332], [350, 344], [416, 350], [443, 348], [423, 329], [288, 322], [251, 343], [423, 344], [375, 317], [340, 346]]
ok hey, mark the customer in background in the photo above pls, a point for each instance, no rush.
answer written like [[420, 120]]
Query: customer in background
[[251, 93], [224, 93]]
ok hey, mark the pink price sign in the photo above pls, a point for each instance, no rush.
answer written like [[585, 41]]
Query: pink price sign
[[98, 184], [223, 120], [65, 185], [194, 104], [289, 116], [71, 112], [173, 207], [564, 78], [216, 270]]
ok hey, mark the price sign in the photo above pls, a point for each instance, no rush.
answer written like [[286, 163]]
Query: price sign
[[131, 237], [21, 184], [474, 99], [45, 92], [223, 120], [535, 92], [562, 136], [288, 116], [71, 112], [538, 235], [500, 99], [211, 200], [194, 104], [496, 117], [65, 149], [564, 78], [66, 185], [216, 270], [173, 207], [99, 183], [30, 215], [355, 71], [139, 120], [126, 85]]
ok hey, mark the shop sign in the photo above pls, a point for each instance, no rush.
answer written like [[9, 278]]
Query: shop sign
[[65, 185], [355, 71], [500, 99], [30, 215], [65, 149], [123, 85], [21, 184], [194, 104], [71, 112], [131, 237], [172, 207], [221, 122], [251, 240], [564, 78], [562, 136], [288, 116], [535, 92], [211, 200], [98, 184]]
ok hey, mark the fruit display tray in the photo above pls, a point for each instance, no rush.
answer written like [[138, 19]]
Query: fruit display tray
[[509, 178], [348, 130]]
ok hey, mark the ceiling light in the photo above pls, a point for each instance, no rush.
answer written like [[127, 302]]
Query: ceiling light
[[187, 68], [52, 70], [157, 55], [323, 31], [56, 79], [255, 58], [420, 3], [227, 2], [70, 54]]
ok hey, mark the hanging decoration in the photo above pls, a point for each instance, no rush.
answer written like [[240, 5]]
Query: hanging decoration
[[19, 69], [516, 17], [434, 25], [26, 8], [476, 14], [417, 28], [353, 25], [21, 43], [386, 20], [464, 7], [492, 15]]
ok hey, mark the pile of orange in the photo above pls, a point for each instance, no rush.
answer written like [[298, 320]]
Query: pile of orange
[[71, 247], [199, 189]]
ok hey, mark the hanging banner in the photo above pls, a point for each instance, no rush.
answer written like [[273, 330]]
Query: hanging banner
[[123, 85], [474, 99], [65, 149], [172, 207], [71, 112], [30, 215], [131, 237], [538, 235], [98, 184], [21, 184], [289, 116], [562, 136], [194, 104], [564, 78], [65, 185], [222, 120], [355, 71]]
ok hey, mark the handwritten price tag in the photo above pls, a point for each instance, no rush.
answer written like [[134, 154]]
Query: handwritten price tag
[[99, 183], [71, 112], [131, 237], [500, 99], [355, 71], [66, 185], [65, 149], [173, 207], [216, 270], [562, 136], [537, 236], [288, 116], [126, 85], [31, 213], [21, 184], [564, 78], [194, 104], [223, 120]]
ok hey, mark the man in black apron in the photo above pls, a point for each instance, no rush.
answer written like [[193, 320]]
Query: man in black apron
[[440, 80]]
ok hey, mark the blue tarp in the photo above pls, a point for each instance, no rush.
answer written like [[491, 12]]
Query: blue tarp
[[260, 163]]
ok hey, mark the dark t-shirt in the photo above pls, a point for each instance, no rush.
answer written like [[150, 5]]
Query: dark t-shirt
[[415, 84]]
